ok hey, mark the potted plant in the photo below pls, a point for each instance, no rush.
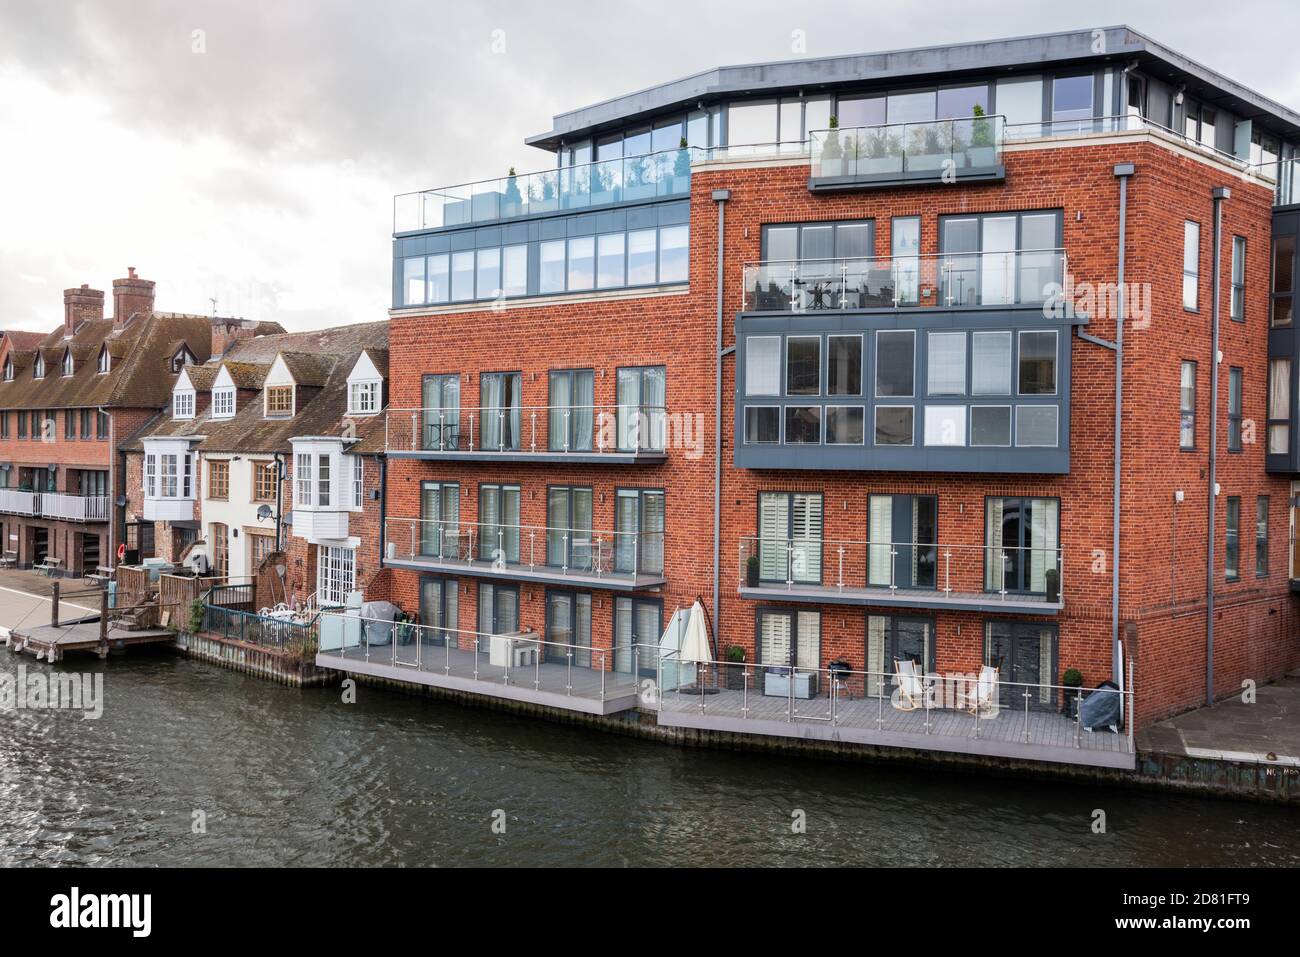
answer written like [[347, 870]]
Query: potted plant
[[682, 169], [1052, 580], [981, 152], [735, 668], [832, 158], [1073, 681], [514, 201], [751, 571]]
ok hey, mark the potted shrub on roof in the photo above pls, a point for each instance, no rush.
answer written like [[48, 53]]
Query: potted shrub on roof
[[513, 200], [832, 158], [981, 152]]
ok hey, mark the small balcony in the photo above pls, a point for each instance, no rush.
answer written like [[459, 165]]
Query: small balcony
[[61, 506], [992, 579], [514, 667], [572, 557], [946, 281], [631, 179], [976, 714], [578, 435], [168, 509], [904, 154]]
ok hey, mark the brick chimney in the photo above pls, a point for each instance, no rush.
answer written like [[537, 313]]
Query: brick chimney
[[226, 332], [131, 296], [80, 305]]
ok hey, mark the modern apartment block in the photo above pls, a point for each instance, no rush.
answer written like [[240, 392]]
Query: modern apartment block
[[269, 457], [66, 399], [835, 346]]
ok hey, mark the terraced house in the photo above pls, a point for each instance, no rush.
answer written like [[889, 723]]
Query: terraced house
[[266, 463], [944, 378], [66, 398]]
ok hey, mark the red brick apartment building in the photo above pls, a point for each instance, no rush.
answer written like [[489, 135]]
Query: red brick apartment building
[[66, 399], [831, 345]]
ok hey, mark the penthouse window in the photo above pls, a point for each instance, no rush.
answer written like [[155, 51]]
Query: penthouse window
[[578, 254]]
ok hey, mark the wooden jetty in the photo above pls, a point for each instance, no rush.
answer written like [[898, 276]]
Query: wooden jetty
[[111, 631]]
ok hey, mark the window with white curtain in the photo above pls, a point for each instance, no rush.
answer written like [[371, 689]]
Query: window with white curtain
[[1022, 540], [789, 638], [642, 415], [1279, 406], [946, 352]]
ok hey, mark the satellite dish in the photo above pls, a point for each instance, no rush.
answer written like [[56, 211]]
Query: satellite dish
[[263, 512]]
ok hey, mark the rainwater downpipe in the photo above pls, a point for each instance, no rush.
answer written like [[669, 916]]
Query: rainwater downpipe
[[720, 196], [1219, 194], [1122, 171]]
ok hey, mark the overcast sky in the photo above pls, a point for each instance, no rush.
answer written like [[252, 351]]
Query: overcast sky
[[256, 161]]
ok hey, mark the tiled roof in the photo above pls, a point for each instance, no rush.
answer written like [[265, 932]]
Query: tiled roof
[[323, 399], [139, 376]]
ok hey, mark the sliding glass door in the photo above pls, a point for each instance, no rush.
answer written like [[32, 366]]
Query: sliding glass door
[[498, 611], [1022, 542], [568, 627], [790, 537], [637, 629], [499, 396], [902, 533]]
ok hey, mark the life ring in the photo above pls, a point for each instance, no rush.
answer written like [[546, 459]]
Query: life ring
[[121, 551]]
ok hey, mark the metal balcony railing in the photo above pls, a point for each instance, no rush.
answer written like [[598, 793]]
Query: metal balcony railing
[[943, 568], [1013, 277], [961, 707], [660, 175], [902, 149], [578, 429], [581, 552], [62, 506]]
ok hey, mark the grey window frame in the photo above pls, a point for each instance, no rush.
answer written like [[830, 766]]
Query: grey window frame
[[1237, 280], [1234, 408], [1261, 536], [1232, 538], [1186, 413]]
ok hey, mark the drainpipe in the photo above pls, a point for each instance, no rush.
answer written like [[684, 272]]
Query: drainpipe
[[279, 498], [1122, 171], [720, 196], [383, 507], [1219, 194]]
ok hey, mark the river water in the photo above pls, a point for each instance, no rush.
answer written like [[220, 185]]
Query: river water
[[280, 776]]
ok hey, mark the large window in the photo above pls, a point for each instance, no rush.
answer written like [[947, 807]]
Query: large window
[[902, 531], [568, 628], [1237, 306], [632, 257], [168, 475], [1279, 406], [500, 395], [264, 481], [1234, 410], [1022, 546], [569, 539], [1232, 539], [788, 638], [790, 537], [498, 516], [1071, 101], [335, 575], [571, 416], [441, 399], [1000, 258], [440, 532], [892, 639], [1282, 291], [1187, 406], [1025, 655], [1191, 264], [642, 412], [639, 530]]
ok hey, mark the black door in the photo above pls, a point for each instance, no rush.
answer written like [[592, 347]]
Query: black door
[[1025, 656]]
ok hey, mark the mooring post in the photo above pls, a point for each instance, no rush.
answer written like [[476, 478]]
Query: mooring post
[[54, 606], [103, 615]]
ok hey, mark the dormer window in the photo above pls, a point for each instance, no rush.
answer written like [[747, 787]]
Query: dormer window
[[68, 366], [363, 397], [38, 370], [183, 404], [279, 401], [102, 364], [9, 370], [223, 403], [182, 359]]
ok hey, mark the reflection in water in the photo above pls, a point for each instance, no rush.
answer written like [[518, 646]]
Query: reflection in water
[[296, 777]]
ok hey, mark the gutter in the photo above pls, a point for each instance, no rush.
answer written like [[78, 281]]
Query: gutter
[[720, 196], [1219, 194]]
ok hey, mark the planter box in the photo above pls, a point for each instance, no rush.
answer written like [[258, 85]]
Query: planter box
[[778, 686]]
